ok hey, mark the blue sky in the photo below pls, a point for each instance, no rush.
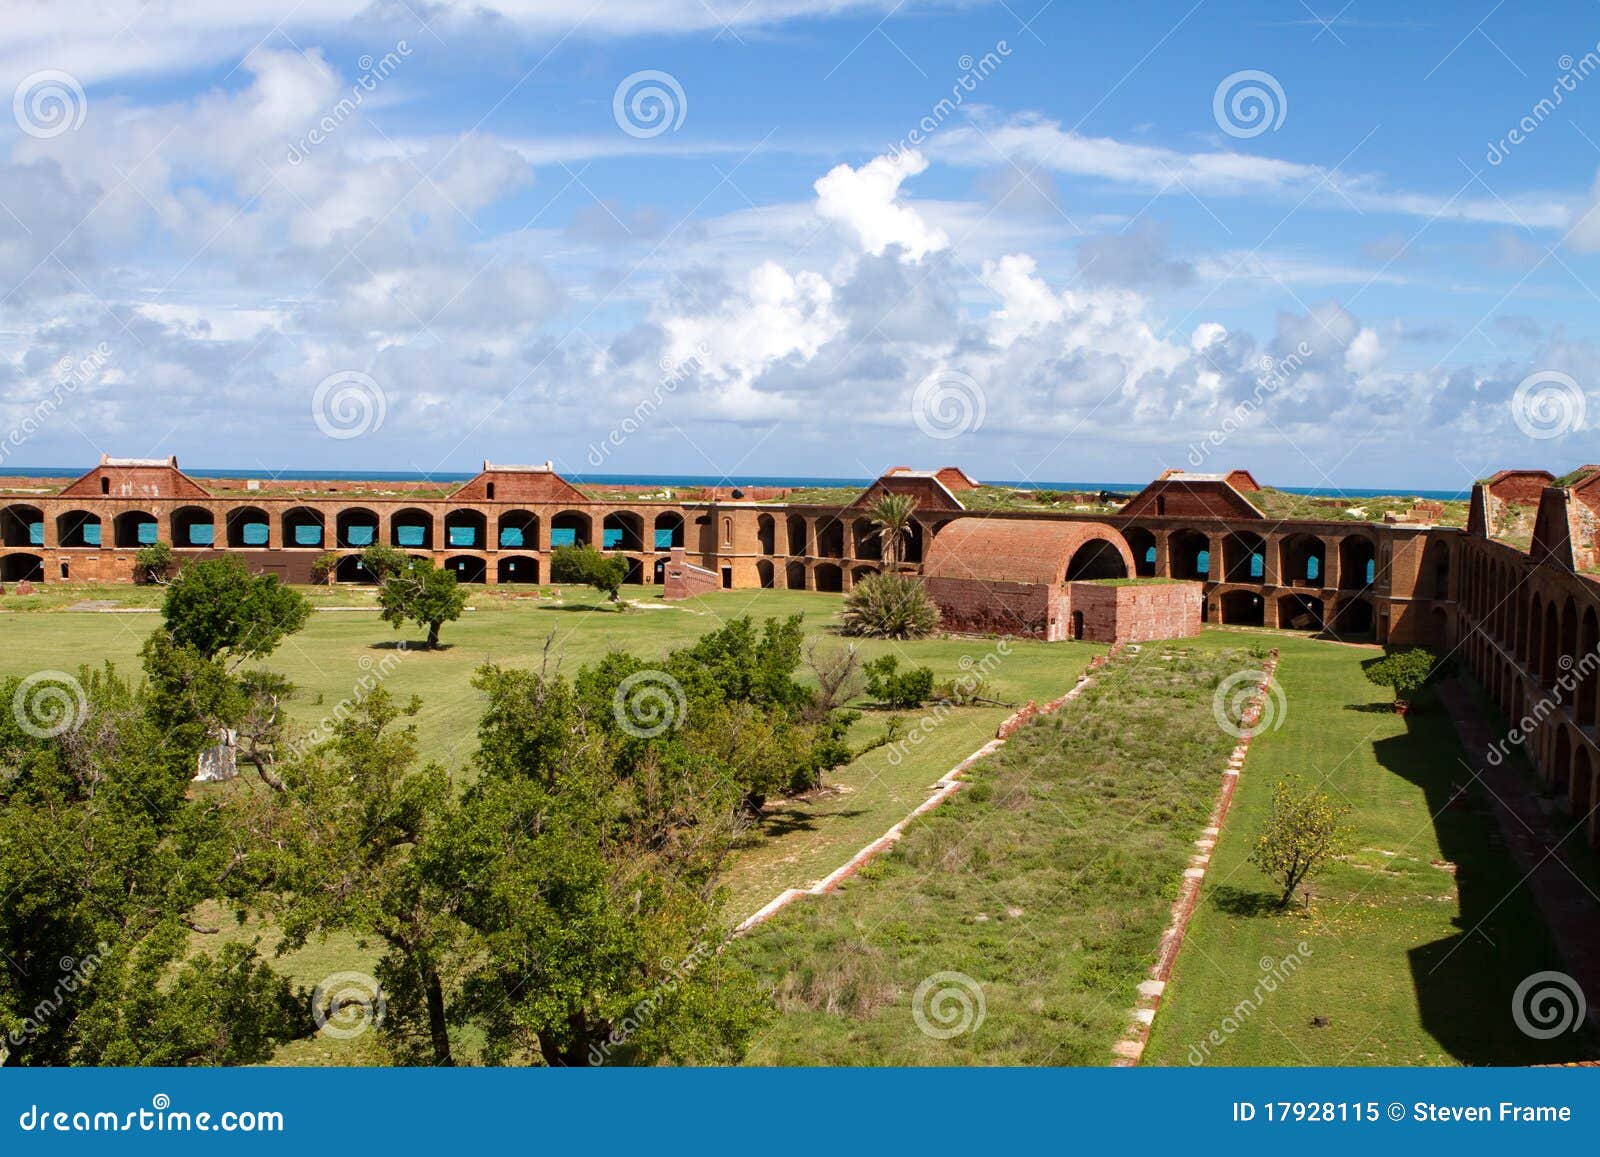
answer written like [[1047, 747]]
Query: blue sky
[[1092, 266]]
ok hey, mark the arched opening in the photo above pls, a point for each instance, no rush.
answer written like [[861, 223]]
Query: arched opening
[[1302, 561], [868, 545], [797, 535], [1189, 554], [19, 568], [570, 528], [830, 540], [516, 568], [794, 576], [77, 528], [134, 528], [350, 570], [660, 571], [248, 526], [828, 577], [1142, 545], [411, 528], [1244, 557], [1354, 619], [1560, 775], [1096, 559], [669, 531], [764, 572], [622, 530], [193, 526], [466, 530], [355, 528], [21, 526], [1358, 562], [1243, 609], [1075, 625], [767, 533], [1439, 628], [302, 527], [1300, 613], [517, 530], [1567, 660], [911, 543], [635, 575], [1436, 570], [1549, 669], [467, 568]]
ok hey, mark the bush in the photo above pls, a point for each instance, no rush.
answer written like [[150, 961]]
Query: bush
[[1304, 831], [585, 564], [890, 606], [1403, 672], [898, 689], [153, 562]]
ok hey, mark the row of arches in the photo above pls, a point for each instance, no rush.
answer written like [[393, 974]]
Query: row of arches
[[1348, 617], [1302, 559], [866, 540]]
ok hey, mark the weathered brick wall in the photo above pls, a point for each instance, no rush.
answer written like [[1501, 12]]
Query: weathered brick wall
[[1136, 613], [685, 580], [975, 606]]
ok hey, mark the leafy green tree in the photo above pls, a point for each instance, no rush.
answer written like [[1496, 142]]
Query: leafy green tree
[[892, 514], [584, 564], [1303, 832], [381, 560], [218, 608], [1404, 672], [325, 566], [890, 606], [896, 688], [421, 593], [153, 562]]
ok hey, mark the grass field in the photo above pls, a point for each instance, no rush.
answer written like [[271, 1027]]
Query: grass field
[[1415, 942]]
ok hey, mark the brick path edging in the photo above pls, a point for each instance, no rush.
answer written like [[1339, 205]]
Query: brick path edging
[[1129, 1051], [951, 782]]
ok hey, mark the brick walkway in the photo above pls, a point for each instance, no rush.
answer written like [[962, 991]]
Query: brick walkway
[[1571, 911]]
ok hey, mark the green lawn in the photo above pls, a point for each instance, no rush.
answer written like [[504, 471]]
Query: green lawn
[[1415, 942]]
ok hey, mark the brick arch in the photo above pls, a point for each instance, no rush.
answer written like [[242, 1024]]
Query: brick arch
[[1020, 550]]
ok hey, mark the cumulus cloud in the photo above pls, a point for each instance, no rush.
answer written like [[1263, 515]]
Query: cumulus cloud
[[866, 203]]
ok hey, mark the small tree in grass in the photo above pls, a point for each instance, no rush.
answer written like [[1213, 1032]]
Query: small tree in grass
[[901, 690], [380, 561], [325, 567], [421, 593], [1404, 672], [153, 562], [890, 606], [1304, 831], [585, 564]]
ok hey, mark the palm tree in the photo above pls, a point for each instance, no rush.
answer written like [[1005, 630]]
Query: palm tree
[[891, 513]]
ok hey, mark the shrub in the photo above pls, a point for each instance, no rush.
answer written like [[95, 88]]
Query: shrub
[[585, 564], [899, 689], [1303, 832], [1403, 672], [890, 606], [153, 562]]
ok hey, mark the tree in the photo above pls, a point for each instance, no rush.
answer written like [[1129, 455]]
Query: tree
[[898, 689], [892, 514], [1404, 672], [1303, 832], [584, 564], [838, 674], [325, 567], [890, 606], [421, 593], [153, 561], [217, 607], [381, 560]]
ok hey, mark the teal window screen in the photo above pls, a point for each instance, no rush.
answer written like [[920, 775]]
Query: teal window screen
[[359, 535], [611, 539], [664, 539], [254, 534], [1202, 562], [563, 536], [147, 533], [91, 534], [511, 536], [463, 535], [35, 534], [410, 535], [308, 535]]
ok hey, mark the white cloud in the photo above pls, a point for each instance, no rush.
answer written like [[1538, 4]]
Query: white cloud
[[866, 203]]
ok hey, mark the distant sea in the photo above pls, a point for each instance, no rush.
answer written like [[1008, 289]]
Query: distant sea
[[691, 480]]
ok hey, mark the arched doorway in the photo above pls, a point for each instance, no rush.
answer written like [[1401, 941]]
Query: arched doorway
[[516, 568], [249, 526], [1142, 545], [1243, 609], [1096, 559]]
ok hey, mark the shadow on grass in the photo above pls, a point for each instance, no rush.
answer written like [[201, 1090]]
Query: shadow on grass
[[789, 820], [410, 646], [1243, 902]]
